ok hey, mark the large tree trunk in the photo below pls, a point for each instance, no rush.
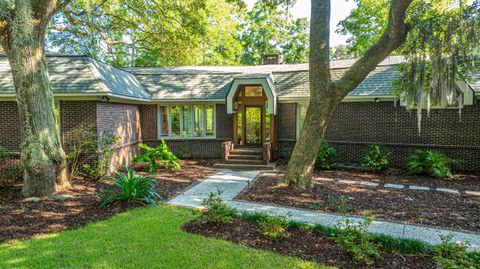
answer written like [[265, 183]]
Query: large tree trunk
[[44, 161], [326, 94]]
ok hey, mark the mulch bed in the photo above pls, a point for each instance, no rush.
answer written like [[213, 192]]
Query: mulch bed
[[303, 244], [20, 219], [431, 208]]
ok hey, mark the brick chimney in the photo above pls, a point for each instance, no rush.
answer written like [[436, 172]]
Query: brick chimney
[[273, 58]]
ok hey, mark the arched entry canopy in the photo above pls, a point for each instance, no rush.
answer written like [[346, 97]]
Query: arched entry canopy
[[265, 80]]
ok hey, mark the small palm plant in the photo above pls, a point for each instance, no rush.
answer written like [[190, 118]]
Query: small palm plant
[[430, 162], [155, 158], [131, 188]]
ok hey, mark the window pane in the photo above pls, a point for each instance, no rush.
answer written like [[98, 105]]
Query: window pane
[[210, 118], [175, 119], [57, 115], [199, 121], [163, 114], [267, 123], [187, 121], [253, 91], [239, 127]]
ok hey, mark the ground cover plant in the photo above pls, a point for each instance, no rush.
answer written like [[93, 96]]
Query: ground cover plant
[[430, 162], [130, 188], [141, 238], [156, 158], [376, 158], [10, 169], [327, 156]]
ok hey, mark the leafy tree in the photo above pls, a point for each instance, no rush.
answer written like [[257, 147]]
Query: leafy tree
[[342, 52], [326, 94], [23, 25], [143, 33], [270, 28]]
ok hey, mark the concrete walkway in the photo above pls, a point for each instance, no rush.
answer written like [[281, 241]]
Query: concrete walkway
[[231, 183]]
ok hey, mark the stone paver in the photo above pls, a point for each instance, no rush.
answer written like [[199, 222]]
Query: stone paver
[[233, 182], [448, 190], [476, 193], [369, 183], [393, 186], [324, 179], [420, 188], [346, 181]]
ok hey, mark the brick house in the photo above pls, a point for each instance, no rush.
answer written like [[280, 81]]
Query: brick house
[[197, 109]]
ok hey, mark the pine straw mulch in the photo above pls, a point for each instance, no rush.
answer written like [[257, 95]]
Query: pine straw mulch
[[20, 219], [304, 244], [431, 208]]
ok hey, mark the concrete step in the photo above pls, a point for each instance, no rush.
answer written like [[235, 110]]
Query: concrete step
[[247, 151], [245, 157], [245, 161], [232, 166]]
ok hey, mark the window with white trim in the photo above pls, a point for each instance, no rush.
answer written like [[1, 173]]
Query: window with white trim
[[186, 121], [301, 112]]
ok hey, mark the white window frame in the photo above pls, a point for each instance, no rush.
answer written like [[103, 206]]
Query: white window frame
[[192, 122]]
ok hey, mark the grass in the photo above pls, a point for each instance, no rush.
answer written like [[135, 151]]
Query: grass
[[141, 238]]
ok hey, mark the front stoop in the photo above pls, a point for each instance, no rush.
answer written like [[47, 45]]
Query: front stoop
[[245, 159]]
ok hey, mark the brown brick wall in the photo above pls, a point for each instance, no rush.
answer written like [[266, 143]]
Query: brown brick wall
[[287, 119], [10, 134], [148, 121], [354, 126], [123, 121], [76, 115], [224, 123]]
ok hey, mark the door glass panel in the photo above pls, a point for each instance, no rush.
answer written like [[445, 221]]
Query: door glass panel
[[239, 127], [253, 125]]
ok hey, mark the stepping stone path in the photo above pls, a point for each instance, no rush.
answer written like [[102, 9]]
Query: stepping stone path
[[231, 183], [369, 183], [476, 193], [324, 178], [344, 181]]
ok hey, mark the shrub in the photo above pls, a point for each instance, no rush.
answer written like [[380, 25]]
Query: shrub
[[430, 162], [452, 255], [131, 188], [10, 169], [327, 156], [152, 156], [273, 227], [217, 210], [358, 241], [89, 154], [376, 158]]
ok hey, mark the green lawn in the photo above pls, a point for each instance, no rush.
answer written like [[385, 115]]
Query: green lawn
[[140, 238]]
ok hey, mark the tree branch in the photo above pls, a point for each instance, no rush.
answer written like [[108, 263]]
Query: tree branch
[[392, 38]]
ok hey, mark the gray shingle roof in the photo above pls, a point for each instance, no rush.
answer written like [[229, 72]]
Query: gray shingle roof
[[80, 74]]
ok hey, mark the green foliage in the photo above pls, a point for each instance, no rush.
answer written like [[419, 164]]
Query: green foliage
[[273, 227], [269, 28], [217, 210], [89, 154], [358, 241], [376, 158], [327, 156], [155, 158], [430, 162], [9, 169], [131, 188], [333, 203], [452, 255], [149, 33]]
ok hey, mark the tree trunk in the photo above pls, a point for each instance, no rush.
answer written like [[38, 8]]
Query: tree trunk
[[326, 94], [44, 161]]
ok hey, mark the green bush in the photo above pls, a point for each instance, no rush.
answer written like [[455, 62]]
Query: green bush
[[217, 210], [376, 158], [273, 227], [452, 255], [131, 188], [155, 158], [327, 156], [430, 162], [89, 154], [10, 169], [358, 241]]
